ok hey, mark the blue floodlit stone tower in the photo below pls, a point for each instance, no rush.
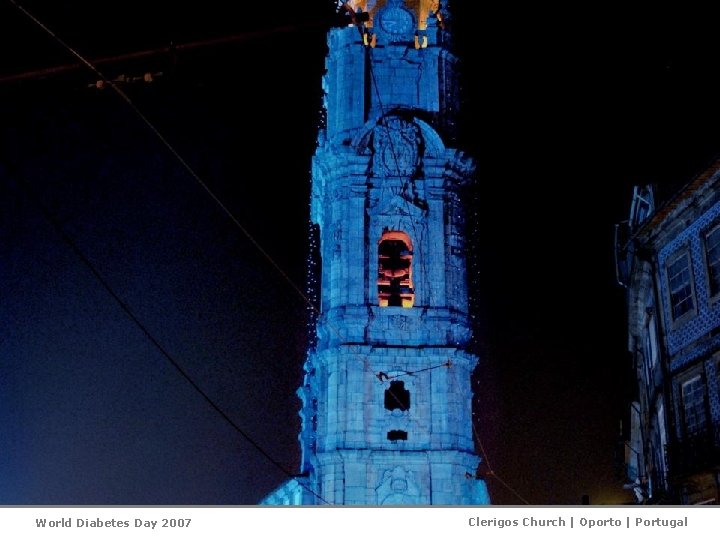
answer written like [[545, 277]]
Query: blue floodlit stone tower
[[387, 393]]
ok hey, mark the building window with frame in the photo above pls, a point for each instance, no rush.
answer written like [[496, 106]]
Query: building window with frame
[[712, 259], [680, 286], [693, 405]]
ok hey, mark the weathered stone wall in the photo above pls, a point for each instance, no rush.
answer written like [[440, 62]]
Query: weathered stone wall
[[382, 167]]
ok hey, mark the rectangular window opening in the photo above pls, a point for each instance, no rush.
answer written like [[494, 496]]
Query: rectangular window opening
[[679, 283], [693, 397]]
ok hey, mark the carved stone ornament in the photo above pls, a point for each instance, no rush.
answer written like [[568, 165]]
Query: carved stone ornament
[[401, 322], [337, 238], [397, 205], [397, 147], [398, 487]]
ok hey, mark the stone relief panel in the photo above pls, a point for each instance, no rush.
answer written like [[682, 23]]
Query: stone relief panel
[[397, 147], [398, 486]]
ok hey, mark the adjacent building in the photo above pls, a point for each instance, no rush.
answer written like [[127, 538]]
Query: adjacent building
[[669, 262]]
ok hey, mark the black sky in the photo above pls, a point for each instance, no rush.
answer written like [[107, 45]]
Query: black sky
[[565, 109]]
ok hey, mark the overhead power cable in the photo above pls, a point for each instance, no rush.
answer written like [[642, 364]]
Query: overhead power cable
[[183, 162], [169, 146], [151, 338], [491, 472], [382, 376], [159, 51]]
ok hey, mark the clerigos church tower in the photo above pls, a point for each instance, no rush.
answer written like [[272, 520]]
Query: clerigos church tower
[[387, 399]]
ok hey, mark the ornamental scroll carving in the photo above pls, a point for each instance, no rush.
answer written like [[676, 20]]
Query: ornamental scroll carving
[[396, 148]]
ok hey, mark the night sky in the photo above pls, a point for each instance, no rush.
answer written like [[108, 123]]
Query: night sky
[[566, 108]]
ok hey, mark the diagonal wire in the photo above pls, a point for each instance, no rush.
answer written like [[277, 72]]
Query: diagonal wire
[[384, 376], [168, 49], [167, 144], [182, 161], [179, 157], [491, 472], [150, 337]]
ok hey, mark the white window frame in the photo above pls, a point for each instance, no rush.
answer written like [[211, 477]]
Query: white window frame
[[676, 321]]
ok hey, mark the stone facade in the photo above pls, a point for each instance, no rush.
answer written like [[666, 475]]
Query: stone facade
[[671, 264], [387, 392]]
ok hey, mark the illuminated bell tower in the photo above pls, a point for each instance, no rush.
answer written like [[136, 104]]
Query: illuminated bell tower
[[387, 393]]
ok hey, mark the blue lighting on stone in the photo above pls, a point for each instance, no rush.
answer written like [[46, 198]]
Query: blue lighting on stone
[[387, 398]]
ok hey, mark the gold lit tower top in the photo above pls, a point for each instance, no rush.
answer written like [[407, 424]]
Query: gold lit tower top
[[421, 8]]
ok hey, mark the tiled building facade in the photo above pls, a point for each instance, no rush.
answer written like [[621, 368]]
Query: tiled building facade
[[671, 267]]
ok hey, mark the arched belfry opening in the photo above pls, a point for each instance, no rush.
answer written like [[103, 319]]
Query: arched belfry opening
[[395, 283]]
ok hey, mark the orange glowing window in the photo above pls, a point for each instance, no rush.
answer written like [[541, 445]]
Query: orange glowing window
[[395, 286]]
